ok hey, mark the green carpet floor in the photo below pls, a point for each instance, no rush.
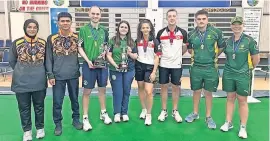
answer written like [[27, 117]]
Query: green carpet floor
[[135, 130]]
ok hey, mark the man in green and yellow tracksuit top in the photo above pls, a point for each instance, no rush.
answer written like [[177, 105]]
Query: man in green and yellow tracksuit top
[[205, 42], [242, 56]]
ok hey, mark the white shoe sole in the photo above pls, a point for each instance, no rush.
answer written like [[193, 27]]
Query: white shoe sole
[[242, 137], [221, 129], [107, 123], [30, 139], [193, 120], [147, 124], [87, 129], [40, 137], [141, 117], [117, 121], [179, 121], [162, 119]]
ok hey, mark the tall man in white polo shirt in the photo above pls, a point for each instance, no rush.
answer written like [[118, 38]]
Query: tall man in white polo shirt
[[173, 41]]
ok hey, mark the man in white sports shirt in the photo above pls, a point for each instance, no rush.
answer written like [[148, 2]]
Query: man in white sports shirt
[[173, 41]]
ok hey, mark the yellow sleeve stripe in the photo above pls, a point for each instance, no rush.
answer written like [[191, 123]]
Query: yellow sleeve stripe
[[216, 54], [250, 64], [54, 37], [19, 42]]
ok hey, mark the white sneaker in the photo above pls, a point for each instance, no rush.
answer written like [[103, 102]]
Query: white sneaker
[[117, 117], [143, 114], [148, 120], [40, 133], [176, 116], [86, 125], [27, 136], [163, 115], [242, 133], [226, 126], [105, 117], [125, 118]]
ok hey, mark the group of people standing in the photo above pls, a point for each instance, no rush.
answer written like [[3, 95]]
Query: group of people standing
[[35, 60]]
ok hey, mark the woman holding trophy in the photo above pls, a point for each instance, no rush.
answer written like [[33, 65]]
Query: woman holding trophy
[[146, 66], [121, 56]]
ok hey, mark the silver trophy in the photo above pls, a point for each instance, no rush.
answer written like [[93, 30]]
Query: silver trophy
[[101, 62], [123, 66]]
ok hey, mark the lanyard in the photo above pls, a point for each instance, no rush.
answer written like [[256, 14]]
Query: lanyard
[[95, 35], [235, 48], [202, 37]]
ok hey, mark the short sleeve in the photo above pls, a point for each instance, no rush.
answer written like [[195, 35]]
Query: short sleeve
[[135, 49], [81, 38], [157, 48], [106, 35], [190, 45], [221, 41], [158, 36], [253, 48], [185, 36], [111, 44]]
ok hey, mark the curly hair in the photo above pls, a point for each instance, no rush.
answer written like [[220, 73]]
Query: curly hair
[[139, 32]]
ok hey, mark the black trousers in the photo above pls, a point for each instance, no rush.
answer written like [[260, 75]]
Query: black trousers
[[59, 90], [24, 103]]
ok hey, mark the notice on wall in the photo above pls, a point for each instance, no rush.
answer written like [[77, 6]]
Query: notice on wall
[[252, 22], [33, 6]]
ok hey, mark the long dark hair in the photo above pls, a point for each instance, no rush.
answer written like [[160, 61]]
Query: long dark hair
[[139, 32], [117, 38]]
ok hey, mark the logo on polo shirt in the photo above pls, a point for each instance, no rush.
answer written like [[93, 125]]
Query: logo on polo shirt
[[178, 37], [85, 82], [242, 47], [113, 77], [150, 44]]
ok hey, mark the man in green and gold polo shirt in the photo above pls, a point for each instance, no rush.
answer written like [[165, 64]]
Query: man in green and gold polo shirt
[[205, 42]]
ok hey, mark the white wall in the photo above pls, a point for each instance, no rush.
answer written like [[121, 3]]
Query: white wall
[[17, 20], [264, 34], [43, 21], [2, 26], [266, 8], [16, 24]]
